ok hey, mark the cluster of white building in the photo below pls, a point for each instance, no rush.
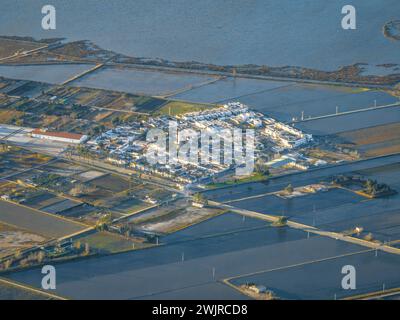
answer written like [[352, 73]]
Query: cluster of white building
[[284, 135], [127, 145], [218, 113]]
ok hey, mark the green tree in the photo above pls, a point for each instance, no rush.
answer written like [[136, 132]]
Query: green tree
[[289, 188], [116, 121], [261, 168], [200, 198]]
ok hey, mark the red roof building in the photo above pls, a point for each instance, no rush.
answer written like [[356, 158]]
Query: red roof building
[[59, 136]]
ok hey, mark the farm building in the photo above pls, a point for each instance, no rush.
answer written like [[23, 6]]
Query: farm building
[[59, 136]]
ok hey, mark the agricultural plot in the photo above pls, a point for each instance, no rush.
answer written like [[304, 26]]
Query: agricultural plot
[[89, 175], [340, 210], [129, 205], [349, 122], [64, 168], [161, 270], [112, 183], [37, 221], [209, 291], [82, 200], [29, 89], [220, 224], [9, 47], [174, 108], [7, 83], [286, 100], [11, 292], [10, 116], [381, 225], [149, 105], [374, 141], [378, 217], [322, 279], [13, 160], [288, 103], [241, 191], [42, 199], [389, 174], [291, 207], [173, 217], [86, 192], [106, 242], [229, 89], [13, 239], [61, 206], [53, 74], [64, 114], [140, 82], [83, 212], [109, 100]]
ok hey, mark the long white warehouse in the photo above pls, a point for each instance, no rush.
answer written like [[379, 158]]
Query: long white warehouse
[[59, 136]]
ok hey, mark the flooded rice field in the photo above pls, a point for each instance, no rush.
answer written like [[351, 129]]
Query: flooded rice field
[[183, 267], [139, 81], [322, 279], [54, 74]]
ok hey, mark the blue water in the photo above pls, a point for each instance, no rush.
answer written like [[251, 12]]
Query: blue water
[[286, 32], [49, 74]]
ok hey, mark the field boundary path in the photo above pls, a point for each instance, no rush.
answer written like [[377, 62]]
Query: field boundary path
[[309, 229], [31, 289], [396, 104]]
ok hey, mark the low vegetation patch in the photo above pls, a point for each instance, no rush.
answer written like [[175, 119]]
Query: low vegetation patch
[[175, 108]]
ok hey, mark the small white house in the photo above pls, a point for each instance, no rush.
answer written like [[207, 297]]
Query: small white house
[[197, 204]]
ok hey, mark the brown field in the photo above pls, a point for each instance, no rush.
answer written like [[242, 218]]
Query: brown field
[[9, 47], [384, 150], [14, 292], [373, 134], [6, 116], [12, 238], [103, 115], [375, 141]]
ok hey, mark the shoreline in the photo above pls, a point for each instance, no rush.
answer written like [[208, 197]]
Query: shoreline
[[87, 51]]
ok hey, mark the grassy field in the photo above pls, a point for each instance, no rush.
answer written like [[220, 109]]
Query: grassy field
[[174, 108], [252, 178], [107, 242]]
